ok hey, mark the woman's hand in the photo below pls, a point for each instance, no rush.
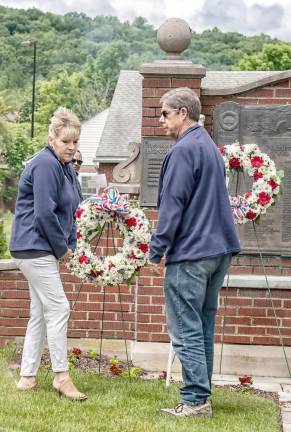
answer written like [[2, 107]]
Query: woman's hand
[[67, 256]]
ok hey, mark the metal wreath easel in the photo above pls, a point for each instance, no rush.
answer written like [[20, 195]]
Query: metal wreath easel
[[108, 227]]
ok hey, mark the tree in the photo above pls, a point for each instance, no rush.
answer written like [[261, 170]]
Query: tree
[[3, 241], [272, 57], [83, 94]]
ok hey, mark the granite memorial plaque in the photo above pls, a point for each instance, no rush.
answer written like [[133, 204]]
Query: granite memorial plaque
[[153, 151], [268, 126]]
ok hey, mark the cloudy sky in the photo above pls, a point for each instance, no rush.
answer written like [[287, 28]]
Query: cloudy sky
[[249, 17]]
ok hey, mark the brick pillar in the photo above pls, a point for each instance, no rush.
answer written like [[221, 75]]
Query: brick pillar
[[159, 77]]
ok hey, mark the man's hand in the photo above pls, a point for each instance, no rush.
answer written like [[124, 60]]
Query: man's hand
[[155, 269], [68, 255]]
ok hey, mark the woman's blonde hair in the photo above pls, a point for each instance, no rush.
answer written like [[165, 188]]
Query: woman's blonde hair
[[64, 120]]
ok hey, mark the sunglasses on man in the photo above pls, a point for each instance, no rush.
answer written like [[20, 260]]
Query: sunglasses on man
[[77, 162], [165, 113]]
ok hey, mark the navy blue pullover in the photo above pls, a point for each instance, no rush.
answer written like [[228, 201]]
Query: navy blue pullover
[[195, 219], [45, 206]]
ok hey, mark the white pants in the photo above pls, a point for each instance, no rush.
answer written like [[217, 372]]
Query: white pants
[[49, 314]]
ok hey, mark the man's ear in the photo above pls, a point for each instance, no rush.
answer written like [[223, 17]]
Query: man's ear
[[184, 112]]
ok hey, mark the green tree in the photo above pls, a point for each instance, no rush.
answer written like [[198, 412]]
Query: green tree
[[84, 95], [272, 57], [3, 240], [17, 149]]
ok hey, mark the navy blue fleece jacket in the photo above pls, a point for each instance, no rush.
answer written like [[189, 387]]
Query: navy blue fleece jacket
[[45, 206], [195, 219]]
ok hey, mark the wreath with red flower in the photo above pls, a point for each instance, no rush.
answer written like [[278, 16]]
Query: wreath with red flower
[[91, 217], [266, 185]]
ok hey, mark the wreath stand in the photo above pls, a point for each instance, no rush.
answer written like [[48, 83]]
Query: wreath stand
[[110, 208], [171, 355], [108, 229]]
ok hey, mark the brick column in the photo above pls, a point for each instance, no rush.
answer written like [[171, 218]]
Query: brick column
[[159, 77]]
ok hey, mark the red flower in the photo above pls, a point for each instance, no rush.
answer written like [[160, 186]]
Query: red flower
[[264, 198], [111, 266], [257, 161], [222, 149], [246, 380], [132, 256], [95, 273], [143, 247], [76, 351], [248, 195], [131, 222], [78, 235], [273, 184], [234, 163], [115, 369], [78, 212], [83, 259], [250, 214], [258, 175]]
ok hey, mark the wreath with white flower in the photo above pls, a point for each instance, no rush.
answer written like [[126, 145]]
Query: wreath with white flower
[[266, 185], [91, 217]]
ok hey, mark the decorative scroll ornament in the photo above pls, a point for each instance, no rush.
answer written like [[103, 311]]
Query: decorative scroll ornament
[[122, 172], [91, 217], [266, 185]]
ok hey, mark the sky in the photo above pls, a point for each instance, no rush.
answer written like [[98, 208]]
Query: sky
[[249, 17]]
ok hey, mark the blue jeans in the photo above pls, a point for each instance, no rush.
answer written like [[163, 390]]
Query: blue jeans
[[191, 295]]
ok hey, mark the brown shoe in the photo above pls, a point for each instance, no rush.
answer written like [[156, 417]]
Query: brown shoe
[[68, 389]]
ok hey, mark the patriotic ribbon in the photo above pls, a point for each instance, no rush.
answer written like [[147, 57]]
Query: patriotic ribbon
[[239, 207], [110, 201]]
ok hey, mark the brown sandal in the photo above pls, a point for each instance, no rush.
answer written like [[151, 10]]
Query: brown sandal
[[68, 389]]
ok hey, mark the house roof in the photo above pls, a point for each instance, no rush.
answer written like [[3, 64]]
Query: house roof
[[123, 123], [233, 82], [90, 136]]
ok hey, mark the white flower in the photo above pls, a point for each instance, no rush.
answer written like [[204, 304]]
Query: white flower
[[267, 172], [120, 267]]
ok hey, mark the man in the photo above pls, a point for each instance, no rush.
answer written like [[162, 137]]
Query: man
[[196, 232], [77, 163]]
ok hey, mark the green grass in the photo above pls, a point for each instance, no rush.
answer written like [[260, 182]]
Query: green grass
[[8, 219], [123, 405]]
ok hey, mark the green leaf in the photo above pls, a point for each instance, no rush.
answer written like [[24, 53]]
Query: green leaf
[[280, 173]]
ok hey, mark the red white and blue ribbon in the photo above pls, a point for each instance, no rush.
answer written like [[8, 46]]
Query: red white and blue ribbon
[[239, 206], [110, 201]]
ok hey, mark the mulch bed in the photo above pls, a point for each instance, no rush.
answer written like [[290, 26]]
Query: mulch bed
[[256, 392]]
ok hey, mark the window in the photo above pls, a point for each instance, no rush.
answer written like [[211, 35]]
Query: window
[[88, 184]]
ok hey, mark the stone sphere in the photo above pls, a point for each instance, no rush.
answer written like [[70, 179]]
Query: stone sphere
[[174, 35]]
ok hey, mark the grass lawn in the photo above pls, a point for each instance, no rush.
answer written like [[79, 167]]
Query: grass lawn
[[124, 405]]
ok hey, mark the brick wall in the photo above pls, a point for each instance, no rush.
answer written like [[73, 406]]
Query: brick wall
[[152, 90], [248, 314], [278, 93]]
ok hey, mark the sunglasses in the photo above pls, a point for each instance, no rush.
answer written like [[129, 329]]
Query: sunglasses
[[76, 161], [165, 113]]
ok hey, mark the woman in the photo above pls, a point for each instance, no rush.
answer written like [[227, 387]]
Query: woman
[[44, 233]]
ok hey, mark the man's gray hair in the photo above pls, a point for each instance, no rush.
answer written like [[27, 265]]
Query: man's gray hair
[[183, 97]]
